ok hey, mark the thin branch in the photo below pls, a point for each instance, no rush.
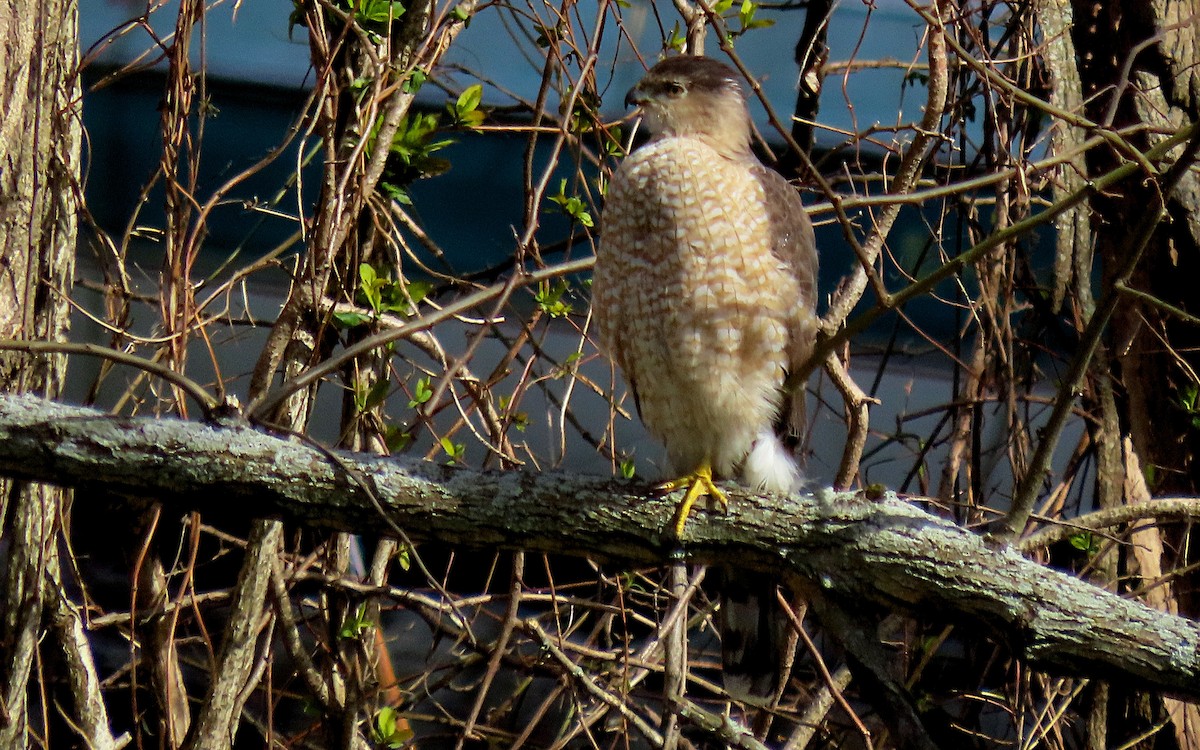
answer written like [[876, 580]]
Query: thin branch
[[1162, 509], [1039, 464], [269, 400]]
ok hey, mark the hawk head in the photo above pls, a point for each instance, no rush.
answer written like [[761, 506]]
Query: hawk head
[[694, 96]]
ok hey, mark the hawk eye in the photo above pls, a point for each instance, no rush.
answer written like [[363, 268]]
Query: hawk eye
[[675, 89]]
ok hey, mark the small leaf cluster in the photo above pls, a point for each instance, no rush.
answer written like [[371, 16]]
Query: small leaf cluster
[[572, 205], [628, 468], [416, 79], [676, 40], [421, 393], [547, 36], [411, 153], [584, 107], [355, 624], [1085, 541], [464, 111], [747, 16], [613, 141], [383, 295], [549, 298], [391, 729], [373, 16]]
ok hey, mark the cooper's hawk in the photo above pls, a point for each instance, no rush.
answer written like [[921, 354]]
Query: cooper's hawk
[[704, 289]]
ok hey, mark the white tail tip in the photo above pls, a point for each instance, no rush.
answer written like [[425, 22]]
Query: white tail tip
[[770, 467]]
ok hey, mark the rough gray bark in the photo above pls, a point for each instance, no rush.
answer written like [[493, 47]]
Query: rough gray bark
[[220, 715], [40, 138], [884, 551], [1134, 68]]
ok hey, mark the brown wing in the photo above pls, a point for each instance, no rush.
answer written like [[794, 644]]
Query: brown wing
[[794, 244]]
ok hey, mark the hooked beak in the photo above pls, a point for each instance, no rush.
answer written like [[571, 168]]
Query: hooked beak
[[635, 97]]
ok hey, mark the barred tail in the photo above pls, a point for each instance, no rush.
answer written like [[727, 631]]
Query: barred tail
[[754, 636]]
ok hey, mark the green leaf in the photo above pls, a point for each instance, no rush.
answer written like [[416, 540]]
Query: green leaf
[[410, 152], [390, 728], [746, 12], [455, 451], [1187, 397], [416, 79], [572, 206], [394, 299], [298, 17], [746, 17], [377, 395], [676, 40], [355, 624], [465, 110], [627, 468], [397, 438], [549, 298], [547, 36], [1085, 541], [468, 100], [472, 120], [370, 287], [349, 319], [395, 192], [419, 290], [421, 394], [614, 141], [387, 295], [366, 273], [385, 722], [377, 13]]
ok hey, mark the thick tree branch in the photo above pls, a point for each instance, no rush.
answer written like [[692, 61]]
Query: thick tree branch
[[886, 551]]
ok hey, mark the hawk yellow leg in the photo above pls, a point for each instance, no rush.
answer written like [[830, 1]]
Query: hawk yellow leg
[[699, 483]]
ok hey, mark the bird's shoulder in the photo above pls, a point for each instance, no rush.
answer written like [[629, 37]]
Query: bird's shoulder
[[776, 187], [788, 216]]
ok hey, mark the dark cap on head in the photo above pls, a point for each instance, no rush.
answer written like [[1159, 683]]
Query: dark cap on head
[[684, 73]]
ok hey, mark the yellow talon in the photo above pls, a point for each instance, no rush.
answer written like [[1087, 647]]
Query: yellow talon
[[699, 483]]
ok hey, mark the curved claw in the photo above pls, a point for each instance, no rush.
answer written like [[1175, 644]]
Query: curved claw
[[698, 484]]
